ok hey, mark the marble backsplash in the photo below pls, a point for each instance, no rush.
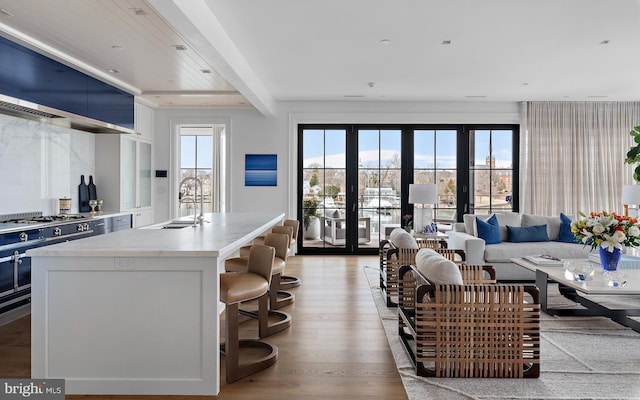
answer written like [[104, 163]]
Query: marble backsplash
[[41, 163]]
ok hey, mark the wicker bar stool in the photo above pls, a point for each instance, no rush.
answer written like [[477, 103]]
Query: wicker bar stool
[[277, 299], [244, 286]]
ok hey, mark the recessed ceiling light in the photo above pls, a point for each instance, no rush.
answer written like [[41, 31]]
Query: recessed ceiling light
[[604, 42], [138, 11], [179, 47], [5, 12], [446, 42], [205, 71], [113, 71], [385, 41]]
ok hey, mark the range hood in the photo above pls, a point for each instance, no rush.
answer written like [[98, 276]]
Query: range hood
[[36, 112]]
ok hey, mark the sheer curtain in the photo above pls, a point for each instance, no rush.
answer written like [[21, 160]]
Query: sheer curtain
[[572, 156]]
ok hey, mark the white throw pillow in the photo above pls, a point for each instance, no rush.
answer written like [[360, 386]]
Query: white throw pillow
[[437, 269], [403, 239], [394, 233]]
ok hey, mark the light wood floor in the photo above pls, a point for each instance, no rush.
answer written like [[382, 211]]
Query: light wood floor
[[335, 349]]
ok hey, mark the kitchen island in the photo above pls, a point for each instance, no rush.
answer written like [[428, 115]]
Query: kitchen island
[[136, 311]]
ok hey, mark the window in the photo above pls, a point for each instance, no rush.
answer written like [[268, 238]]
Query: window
[[491, 161], [200, 157], [360, 175]]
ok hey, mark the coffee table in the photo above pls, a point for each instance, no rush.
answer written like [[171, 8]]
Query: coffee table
[[573, 290]]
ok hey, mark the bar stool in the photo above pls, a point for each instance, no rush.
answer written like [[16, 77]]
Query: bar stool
[[244, 286], [287, 281], [277, 299]]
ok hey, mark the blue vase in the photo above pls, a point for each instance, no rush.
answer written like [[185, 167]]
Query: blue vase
[[609, 259]]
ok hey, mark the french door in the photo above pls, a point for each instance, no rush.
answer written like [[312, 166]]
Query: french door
[[353, 179]]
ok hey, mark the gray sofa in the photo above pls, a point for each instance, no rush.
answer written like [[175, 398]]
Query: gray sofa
[[464, 236]]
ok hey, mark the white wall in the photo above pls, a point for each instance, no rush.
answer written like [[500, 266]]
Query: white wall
[[251, 133], [40, 163]]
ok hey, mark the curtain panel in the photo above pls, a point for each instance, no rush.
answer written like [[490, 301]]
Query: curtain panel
[[572, 156]]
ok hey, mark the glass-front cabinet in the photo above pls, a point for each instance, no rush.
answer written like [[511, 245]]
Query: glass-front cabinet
[[123, 173]]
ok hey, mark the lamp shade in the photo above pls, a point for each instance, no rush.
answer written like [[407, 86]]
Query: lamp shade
[[423, 194], [631, 194]]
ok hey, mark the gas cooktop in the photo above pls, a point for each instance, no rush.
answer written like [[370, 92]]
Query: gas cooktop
[[36, 217], [44, 218]]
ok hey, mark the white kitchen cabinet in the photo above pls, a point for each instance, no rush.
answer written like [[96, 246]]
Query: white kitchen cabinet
[[143, 121], [142, 217], [123, 175]]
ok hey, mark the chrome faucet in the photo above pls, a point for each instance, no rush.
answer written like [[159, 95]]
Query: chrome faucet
[[197, 219]]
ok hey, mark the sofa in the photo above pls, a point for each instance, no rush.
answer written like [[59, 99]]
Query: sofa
[[471, 236]]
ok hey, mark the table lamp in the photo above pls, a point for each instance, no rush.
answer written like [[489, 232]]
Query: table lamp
[[425, 196], [630, 195]]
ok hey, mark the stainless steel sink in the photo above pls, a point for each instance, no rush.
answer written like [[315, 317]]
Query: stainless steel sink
[[176, 226]]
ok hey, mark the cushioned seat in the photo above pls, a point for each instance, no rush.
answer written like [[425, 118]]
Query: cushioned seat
[[277, 297], [288, 281], [245, 286], [454, 328]]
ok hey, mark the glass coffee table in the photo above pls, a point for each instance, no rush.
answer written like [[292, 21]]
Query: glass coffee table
[[595, 285]]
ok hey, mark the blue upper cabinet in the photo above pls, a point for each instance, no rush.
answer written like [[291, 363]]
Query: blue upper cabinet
[[110, 104], [28, 75]]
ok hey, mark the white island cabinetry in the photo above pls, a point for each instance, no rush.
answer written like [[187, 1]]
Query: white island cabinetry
[[136, 311]]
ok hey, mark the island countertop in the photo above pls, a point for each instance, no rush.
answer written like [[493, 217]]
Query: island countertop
[[136, 312], [220, 234]]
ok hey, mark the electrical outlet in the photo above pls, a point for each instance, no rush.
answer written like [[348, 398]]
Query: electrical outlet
[[124, 263]]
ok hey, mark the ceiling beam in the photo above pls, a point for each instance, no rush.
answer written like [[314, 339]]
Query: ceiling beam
[[200, 27]]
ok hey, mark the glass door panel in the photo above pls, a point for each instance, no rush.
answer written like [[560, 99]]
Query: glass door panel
[[196, 160], [128, 174], [145, 174], [435, 162], [491, 163], [324, 222], [379, 190]]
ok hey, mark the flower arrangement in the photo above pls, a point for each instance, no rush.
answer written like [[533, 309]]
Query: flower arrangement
[[607, 230], [407, 221]]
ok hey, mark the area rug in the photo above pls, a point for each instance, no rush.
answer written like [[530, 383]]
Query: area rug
[[581, 358]]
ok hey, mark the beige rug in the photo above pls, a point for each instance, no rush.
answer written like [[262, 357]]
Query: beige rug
[[581, 358]]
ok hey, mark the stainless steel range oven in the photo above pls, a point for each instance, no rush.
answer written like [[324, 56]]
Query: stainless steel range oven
[[21, 232]]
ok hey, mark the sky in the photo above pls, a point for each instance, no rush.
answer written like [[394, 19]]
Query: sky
[[389, 143]]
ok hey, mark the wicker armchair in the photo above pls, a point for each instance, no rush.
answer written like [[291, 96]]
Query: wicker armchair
[[471, 330], [394, 257]]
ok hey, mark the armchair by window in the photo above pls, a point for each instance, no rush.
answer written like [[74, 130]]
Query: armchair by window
[[334, 230]]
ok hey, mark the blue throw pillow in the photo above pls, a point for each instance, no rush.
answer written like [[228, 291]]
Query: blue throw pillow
[[489, 230], [536, 233], [565, 234]]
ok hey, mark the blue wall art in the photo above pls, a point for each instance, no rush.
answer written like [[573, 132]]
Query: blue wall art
[[261, 170]]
